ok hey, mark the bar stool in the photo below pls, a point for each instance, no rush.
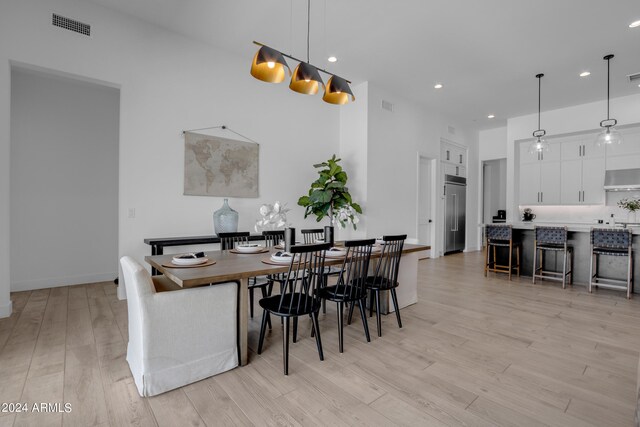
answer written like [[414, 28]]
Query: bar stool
[[611, 242], [501, 236], [551, 239]]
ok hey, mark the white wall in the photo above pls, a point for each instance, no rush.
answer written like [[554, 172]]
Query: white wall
[[492, 144], [575, 119], [64, 181], [353, 151], [168, 83], [394, 140]]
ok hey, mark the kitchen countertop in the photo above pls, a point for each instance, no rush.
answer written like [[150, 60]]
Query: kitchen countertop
[[572, 226]]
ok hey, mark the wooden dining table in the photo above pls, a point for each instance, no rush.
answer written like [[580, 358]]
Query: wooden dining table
[[230, 267]]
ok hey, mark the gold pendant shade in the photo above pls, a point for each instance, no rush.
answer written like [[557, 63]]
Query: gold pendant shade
[[338, 91], [269, 65], [306, 79]]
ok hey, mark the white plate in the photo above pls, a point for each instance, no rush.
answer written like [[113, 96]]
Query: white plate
[[376, 248], [250, 248], [336, 254], [189, 261], [380, 242], [320, 241], [283, 259]]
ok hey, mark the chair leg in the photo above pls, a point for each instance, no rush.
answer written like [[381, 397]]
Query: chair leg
[[564, 270], [265, 294], [316, 327], [378, 315], [285, 345], [394, 298], [363, 315], [535, 258], [486, 260], [371, 302], [591, 271], [571, 271], [341, 326], [263, 330], [629, 273], [295, 329], [518, 260], [351, 306], [510, 258], [251, 302]]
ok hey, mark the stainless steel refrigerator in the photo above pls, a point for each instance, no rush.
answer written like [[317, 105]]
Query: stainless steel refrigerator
[[455, 193]]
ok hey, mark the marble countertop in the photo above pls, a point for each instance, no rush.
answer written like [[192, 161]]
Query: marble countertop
[[571, 226]]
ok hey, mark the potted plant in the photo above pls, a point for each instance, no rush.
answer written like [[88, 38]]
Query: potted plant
[[329, 196], [631, 205]]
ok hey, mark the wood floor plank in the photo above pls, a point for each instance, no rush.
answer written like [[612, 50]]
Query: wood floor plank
[[473, 351]]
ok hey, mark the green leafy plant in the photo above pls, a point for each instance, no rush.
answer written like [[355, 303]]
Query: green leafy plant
[[631, 204], [329, 196]]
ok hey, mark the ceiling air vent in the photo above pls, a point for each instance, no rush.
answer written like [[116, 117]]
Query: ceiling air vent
[[634, 78], [386, 105], [71, 24]]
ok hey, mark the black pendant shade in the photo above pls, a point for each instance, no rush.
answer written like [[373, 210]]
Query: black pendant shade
[[306, 79], [338, 91], [269, 65]]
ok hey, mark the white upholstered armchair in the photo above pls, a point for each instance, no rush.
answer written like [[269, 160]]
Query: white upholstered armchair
[[177, 338]]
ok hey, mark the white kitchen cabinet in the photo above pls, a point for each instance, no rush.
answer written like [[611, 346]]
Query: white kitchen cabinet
[[552, 155], [452, 154], [451, 169], [540, 183], [580, 149], [593, 181], [630, 161], [582, 173]]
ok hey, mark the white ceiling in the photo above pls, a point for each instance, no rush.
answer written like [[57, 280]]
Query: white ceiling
[[485, 52]]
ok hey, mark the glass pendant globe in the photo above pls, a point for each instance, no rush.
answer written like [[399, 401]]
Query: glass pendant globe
[[608, 136], [538, 146]]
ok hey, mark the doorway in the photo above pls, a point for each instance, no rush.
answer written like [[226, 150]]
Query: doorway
[[63, 180], [426, 204], [494, 190]]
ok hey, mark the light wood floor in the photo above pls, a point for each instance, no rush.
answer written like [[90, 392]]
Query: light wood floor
[[473, 351]]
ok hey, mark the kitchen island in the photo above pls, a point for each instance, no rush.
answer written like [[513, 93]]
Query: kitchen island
[[579, 238]]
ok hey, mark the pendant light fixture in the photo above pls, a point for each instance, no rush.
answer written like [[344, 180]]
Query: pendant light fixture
[[540, 144], [306, 78], [609, 135], [269, 66]]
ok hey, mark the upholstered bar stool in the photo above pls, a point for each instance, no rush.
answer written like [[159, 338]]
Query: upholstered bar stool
[[501, 236], [552, 239], [611, 242]]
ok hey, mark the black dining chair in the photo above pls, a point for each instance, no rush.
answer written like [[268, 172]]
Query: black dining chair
[[299, 297], [229, 241], [315, 235], [385, 277], [351, 285]]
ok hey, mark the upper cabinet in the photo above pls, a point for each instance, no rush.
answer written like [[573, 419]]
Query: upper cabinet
[[553, 154], [571, 172], [627, 154], [454, 159]]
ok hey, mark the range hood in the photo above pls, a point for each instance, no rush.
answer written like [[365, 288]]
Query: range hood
[[622, 180]]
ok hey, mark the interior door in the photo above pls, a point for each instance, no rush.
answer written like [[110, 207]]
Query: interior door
[[424, 202]]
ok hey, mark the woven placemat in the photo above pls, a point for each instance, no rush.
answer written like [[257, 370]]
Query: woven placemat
[[204, 264], [272, 262]]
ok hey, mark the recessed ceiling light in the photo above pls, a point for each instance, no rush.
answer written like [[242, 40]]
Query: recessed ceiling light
[[438, 86], [332, 59], [635, 24], [585, 74], [490, 116]]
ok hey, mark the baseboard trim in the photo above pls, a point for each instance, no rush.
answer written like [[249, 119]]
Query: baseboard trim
[[6, 309], [30, 285]]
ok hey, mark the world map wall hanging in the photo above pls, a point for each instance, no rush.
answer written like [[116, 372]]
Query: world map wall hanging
[[216, 166]]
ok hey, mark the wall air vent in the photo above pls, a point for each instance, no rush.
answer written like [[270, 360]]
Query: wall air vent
[[71, 24], [386, 105], [634, 78], [452, 130]]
